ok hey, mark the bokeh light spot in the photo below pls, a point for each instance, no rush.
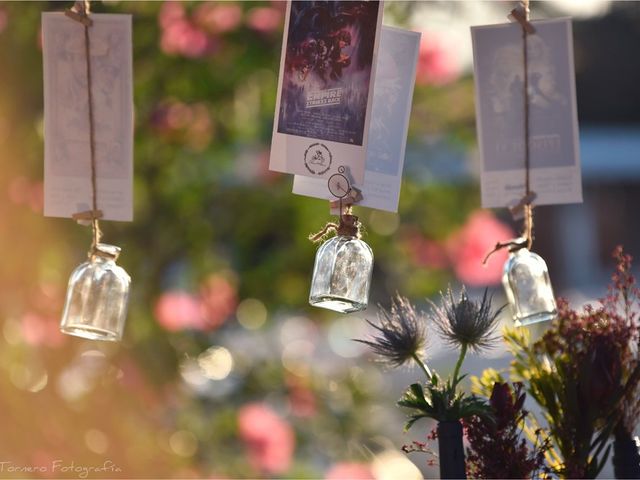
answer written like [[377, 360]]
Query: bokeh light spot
[[341, 334], [384, 223], [183, 443], [390, 465], [251, 313], [96, 441], [216, 363]]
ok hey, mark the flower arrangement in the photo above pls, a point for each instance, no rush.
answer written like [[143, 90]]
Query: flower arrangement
[[584, 373], [494, 439], [401, 338]]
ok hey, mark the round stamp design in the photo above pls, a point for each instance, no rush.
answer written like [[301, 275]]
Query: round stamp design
[[317, 158]]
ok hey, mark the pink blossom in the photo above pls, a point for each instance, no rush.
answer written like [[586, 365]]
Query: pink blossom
[[302, 400], [182, 38], [219, 17], [279, 4], [468, 246], [264, 19], [436, 64], [177, 310], [171, 12], [349, 471], [22, 191], [19, 190], [219, 300], [426, 252], [270, 440], [38, 330]]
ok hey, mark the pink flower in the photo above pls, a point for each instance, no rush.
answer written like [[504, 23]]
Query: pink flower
[[182, 38], [468, 246], [220, 17], [23, 191], [177, 310], [425, 252], [38, 330], [302, 400], [171, 12], [219, 300], [269, 439], [436, 65], [264, 19], [349, 471]]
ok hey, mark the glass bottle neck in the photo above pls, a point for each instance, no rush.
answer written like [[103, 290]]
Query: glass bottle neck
[[95, 258]]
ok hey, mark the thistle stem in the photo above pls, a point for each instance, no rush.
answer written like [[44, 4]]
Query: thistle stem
[[456, 371], [422, 365]]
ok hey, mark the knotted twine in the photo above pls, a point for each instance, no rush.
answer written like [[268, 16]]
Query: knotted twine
[[521, 15], [80, 13], [349, 226]]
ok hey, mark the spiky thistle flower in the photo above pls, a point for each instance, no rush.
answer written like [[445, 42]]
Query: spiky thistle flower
[[465, 323], [401, 334]]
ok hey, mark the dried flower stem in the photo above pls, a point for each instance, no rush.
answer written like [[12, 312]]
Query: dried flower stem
[[463, 353], [423, 366]]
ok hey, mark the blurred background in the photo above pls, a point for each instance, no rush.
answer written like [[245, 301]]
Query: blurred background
[[225, 371]]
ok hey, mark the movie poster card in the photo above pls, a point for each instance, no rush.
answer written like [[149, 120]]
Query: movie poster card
[[325, 87], [67, 164], [391, 109], [553, 124]]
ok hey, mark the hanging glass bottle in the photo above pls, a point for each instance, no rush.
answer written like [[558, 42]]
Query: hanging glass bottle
[[97, 296], [342, 270], [528, 288]]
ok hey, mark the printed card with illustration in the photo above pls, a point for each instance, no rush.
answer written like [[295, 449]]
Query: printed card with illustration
[[325, 87], [67, 168], [553, 124], [392, 99]]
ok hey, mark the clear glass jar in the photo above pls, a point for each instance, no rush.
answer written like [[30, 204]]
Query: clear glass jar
[[528, 287], [97, 297], [342, 275]]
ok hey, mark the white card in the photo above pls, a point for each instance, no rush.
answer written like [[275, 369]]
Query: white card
[[67, 164], [392, 99], [553, 122], [325, 87]]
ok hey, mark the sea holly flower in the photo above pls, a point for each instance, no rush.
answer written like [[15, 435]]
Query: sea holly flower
[[465, 323], [401, 335]]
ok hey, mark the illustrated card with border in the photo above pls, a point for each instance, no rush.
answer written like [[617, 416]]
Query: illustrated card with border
[[392, 100], [67, 165], [553, 123], [325, 87]]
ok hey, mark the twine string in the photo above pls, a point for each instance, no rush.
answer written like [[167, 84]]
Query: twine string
[[528, 209], [349, 225], [80, 13], [522, 16]]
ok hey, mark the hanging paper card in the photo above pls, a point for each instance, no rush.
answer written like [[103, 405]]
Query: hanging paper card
[[392, 96], [500, 113], [325, 88], [67, 166]]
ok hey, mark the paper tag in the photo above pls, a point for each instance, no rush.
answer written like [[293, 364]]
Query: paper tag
[[392, 98], [325, 87], [67, 159], [553, 123]]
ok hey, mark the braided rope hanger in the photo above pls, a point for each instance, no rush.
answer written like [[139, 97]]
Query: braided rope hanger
[[80, 13]]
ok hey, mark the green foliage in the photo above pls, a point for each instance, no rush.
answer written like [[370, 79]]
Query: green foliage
[[441, 401], [579, 426]]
